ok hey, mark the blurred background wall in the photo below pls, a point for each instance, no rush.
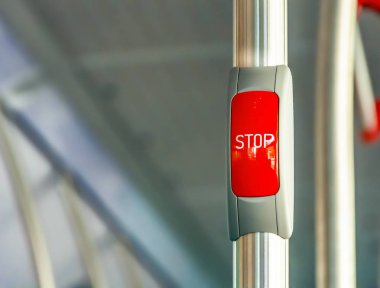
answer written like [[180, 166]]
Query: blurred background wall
[[123, 103]]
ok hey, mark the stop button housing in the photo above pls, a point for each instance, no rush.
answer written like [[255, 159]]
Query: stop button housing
[[260, 151]]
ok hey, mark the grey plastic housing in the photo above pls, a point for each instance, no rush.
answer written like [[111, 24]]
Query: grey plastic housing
[[272, 214]]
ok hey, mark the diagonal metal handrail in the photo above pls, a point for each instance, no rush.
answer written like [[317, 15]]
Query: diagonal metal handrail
[[85, 192]]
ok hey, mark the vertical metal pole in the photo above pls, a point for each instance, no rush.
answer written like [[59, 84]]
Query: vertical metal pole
[[260, 39], [335, 207], [25, 202]]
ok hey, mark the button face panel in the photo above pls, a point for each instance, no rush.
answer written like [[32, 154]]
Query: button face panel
[[254, 144]]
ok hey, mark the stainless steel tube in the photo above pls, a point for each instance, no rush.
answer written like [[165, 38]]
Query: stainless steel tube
[[260, 39], [260, 33], [24, 198], [90, 255], [335, 207]]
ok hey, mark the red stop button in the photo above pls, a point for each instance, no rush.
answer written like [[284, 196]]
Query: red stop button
[[254, 144]]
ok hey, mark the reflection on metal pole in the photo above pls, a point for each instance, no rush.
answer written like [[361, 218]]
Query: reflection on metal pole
[[260, 39], [335, 207], [25, 202], [86, 247]]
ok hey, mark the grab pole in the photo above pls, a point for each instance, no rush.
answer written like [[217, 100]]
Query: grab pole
[[260, 40], [335, 193]]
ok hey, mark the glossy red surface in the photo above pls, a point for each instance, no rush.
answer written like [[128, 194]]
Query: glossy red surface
[[254, 144], [371, 135], [372, 4]]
